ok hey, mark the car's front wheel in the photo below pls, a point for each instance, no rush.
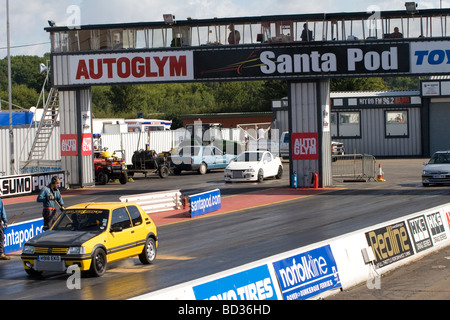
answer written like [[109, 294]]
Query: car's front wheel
[[148, 254], [98, 264], [260, 175], [280, 173]]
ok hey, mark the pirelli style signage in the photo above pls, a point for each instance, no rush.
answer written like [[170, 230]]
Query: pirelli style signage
[[261, 62]]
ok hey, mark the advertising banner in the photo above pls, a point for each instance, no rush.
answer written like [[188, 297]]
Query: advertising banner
[[305, 146], [435, 221], [69, 145], [253, 284], [307, 274], [420, 233], [17, 234], [430, 57], [31, 183], [205, 202], [302, 61], [134, 67], [390, 244]]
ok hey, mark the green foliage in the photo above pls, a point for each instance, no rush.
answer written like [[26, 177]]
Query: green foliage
[[358, 84]]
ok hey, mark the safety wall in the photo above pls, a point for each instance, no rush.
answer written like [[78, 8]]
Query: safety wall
[[324, 268]]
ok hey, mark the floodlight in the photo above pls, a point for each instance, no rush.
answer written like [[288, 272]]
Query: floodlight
[[411, 7]]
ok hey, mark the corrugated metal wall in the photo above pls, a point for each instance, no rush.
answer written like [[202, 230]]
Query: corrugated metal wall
[[373, 140], [303, 101], [23, 140], [158, 140]]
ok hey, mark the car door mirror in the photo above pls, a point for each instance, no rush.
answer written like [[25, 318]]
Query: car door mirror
[[116, 229]]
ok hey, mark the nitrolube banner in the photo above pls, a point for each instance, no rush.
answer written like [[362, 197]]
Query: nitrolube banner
[[307, 274]]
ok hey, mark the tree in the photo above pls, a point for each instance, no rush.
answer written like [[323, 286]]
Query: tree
[[358, 84]]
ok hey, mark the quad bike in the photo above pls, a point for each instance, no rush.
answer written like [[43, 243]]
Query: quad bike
[[109, 167]]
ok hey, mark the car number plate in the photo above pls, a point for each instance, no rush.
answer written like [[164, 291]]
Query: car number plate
[[439, 176], [49, 258]]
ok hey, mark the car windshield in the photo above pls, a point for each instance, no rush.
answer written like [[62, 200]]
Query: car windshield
[[82, 220], [249, 156], [440, 158]]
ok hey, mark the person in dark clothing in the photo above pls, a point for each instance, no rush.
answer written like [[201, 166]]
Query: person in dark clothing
[[306, 34], [50, 198], [3, 226]]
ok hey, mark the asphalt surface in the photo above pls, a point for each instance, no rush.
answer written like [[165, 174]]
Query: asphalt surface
[[199, 247]]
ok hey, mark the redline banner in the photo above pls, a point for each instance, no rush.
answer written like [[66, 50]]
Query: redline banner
[[133, 67], [305, 146]]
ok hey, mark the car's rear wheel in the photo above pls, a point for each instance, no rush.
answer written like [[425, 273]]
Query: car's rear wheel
[[203, 168], [148, 254], [98, 264]]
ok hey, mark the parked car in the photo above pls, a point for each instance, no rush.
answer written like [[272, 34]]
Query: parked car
[[91, 235], [254, 166], [437, 170], [337, 148], [200, 158]]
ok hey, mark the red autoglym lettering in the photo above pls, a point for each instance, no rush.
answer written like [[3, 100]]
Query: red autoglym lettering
[[109, 63], [92, 72], [123, 68], [148, 68], [82, 70], [138, 67], [161, 63], [178, 66]]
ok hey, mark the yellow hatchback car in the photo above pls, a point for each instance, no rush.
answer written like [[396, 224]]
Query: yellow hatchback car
[[90, 235]]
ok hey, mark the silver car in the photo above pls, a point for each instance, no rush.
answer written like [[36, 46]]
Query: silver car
[[437, 170]]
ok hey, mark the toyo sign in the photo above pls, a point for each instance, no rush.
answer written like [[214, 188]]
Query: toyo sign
[[430, 57]]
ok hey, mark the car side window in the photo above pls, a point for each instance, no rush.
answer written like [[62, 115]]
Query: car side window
[[120, 219], [135, 215], [267, 157]]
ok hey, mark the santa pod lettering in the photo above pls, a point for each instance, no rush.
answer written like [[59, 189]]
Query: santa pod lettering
[[298, 63]]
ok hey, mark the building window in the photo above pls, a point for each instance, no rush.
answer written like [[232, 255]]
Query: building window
[[345, 124], [396, 124]]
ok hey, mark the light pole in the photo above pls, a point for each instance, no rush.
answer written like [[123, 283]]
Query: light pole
[[11, 133]]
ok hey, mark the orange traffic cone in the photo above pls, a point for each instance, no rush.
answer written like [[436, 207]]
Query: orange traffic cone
[[380, 174]]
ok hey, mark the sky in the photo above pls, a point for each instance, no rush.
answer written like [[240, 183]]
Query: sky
[[28, 18]]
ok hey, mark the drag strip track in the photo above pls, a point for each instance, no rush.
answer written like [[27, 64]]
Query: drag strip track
[[199, 247]]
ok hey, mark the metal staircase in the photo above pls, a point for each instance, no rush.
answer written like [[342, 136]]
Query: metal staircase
[[46, 125]]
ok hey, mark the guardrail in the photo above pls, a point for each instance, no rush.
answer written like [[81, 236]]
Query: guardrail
[[357, 167], [156, 201], [324, 268]]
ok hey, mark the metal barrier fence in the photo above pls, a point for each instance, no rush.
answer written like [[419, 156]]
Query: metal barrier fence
[[355, 167]]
